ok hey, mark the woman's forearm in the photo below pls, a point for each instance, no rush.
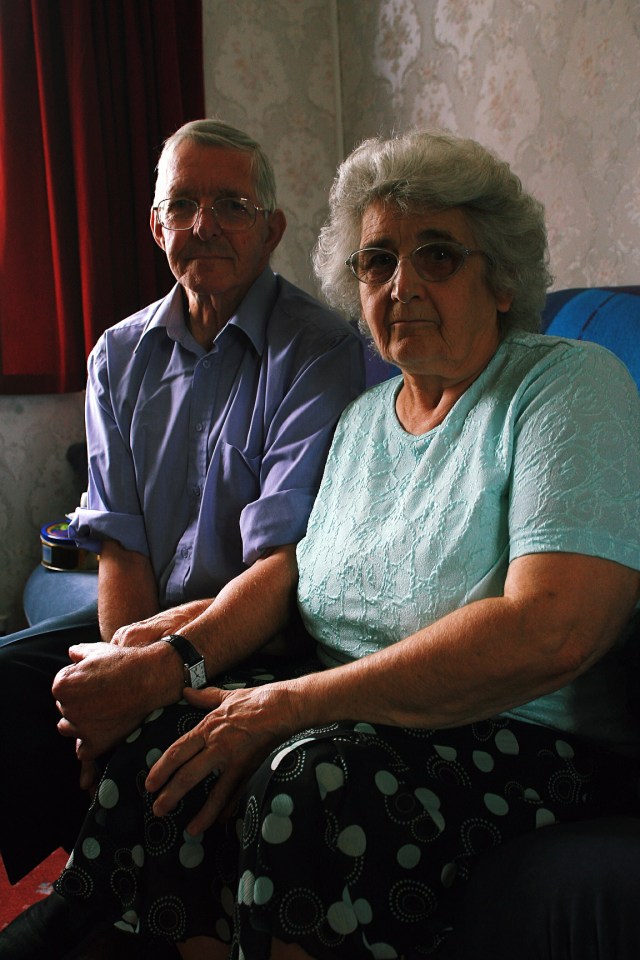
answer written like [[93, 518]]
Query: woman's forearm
[[488, 656]]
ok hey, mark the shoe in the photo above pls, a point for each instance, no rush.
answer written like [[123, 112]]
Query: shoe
[[51, 929]]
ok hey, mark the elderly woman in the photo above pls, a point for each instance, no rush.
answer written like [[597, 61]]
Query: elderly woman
[[468, 573]]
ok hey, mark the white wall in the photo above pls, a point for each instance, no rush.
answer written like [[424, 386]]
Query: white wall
[[553, 86], [271, 69]]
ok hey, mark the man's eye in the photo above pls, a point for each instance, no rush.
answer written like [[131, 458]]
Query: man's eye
[[179, 205], [233, 207]]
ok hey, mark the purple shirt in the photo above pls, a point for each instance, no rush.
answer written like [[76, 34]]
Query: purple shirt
[[203, 460]]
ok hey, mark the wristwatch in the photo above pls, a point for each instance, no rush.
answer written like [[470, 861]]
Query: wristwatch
[[193, 662]]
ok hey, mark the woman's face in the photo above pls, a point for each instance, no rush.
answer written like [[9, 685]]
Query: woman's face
[[446, 330]]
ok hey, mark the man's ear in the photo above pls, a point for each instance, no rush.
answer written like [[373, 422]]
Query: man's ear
[[156, 229], [276, 226]]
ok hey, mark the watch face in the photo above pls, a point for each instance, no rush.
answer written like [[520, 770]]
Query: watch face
[[198, 675]]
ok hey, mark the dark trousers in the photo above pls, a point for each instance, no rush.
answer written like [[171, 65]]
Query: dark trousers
[[41, 804], [567, 892]]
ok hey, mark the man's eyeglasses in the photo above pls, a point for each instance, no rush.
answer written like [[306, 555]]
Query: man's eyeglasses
[[435, 261], [233, 214]]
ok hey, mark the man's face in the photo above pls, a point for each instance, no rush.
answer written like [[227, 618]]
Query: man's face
[[209, 263]]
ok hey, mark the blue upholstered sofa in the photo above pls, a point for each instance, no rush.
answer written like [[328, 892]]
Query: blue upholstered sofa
[[567, 892]]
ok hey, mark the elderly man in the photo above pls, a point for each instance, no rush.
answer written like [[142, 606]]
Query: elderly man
[[209, 416]]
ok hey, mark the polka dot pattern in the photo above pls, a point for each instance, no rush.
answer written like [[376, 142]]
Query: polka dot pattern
[[347, 838]]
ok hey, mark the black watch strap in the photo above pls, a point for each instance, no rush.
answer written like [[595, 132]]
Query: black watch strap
[[193, 662]]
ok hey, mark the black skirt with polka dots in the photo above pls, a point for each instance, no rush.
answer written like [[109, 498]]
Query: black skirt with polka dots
[[350, 840]]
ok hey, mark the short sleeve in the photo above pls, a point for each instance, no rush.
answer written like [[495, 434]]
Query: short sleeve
[[576, 460]]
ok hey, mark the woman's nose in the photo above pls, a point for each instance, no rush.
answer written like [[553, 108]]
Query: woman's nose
[[407, 282]]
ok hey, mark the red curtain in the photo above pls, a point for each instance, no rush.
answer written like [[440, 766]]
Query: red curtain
[[89, 89]]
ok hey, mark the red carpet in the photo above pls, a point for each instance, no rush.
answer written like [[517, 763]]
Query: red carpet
[[34, 886], [113, 944]]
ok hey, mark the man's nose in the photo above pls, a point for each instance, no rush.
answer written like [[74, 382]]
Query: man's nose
[[206, 225]]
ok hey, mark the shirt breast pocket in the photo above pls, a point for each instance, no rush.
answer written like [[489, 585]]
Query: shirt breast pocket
[[239, 474]]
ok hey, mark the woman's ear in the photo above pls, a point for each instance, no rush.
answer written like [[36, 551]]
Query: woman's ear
[[503, 302]]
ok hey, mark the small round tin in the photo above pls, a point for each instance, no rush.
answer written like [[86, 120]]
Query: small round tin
[[59, 551]]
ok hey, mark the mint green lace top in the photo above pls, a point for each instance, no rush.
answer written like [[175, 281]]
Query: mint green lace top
[[540, 454]]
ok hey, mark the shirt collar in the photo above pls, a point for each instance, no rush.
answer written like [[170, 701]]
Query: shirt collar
[[251, 316], [255, 309]]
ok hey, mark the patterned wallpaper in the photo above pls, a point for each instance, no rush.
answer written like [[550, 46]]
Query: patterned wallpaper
[[37, 485], [270, 69], [552, 85]]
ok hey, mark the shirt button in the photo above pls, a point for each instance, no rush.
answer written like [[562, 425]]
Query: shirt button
[[199, 427], [184, 553]]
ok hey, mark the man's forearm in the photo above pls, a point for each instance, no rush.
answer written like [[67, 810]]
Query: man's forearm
[[127, 590], [247, 612], [108, 688]]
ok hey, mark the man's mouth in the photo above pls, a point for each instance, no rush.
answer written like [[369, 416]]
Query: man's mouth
[[207, 249], [208, 255]]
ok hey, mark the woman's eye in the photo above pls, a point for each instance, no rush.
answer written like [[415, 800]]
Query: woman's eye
[[438, 253], [377, 261]]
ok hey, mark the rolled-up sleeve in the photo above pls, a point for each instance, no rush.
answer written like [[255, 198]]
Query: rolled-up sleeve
[[297, 444], [113, 507]]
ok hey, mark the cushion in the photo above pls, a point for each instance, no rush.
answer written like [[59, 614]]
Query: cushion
[[54, 593], [608, 317]]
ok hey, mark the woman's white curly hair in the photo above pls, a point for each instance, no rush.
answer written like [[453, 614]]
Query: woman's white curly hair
[[423, 171]]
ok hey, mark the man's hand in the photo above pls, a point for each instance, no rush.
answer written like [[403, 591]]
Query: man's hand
[[232, 740], [108, 690]]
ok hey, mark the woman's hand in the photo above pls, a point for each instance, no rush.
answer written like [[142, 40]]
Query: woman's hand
[[243, 726]]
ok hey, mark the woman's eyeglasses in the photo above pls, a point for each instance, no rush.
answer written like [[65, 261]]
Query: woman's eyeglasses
[[435, 261]]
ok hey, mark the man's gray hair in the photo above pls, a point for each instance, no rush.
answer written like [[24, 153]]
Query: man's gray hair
[[420, 172], [216, 133]]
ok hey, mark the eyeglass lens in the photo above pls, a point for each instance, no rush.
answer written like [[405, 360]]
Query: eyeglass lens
[[433, 261], [232, 213]]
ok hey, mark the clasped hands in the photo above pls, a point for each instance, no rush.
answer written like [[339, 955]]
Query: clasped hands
[[109, 688]]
